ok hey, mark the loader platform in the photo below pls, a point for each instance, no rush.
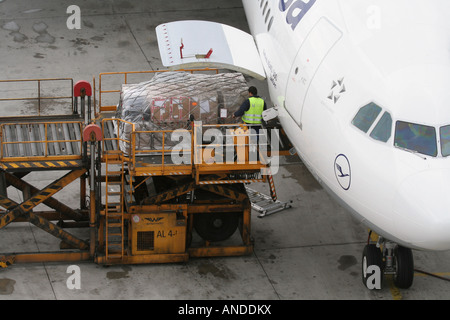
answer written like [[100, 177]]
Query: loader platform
[[138, 203]]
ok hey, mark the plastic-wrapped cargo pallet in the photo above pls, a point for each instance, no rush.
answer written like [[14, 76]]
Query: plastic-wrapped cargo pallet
[[170, 100]]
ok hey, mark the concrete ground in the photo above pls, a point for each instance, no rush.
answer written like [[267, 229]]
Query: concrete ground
[[309, 252]]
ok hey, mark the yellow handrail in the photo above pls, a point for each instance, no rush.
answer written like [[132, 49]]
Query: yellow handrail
[[163, 150], [135, 154], [118, 137]]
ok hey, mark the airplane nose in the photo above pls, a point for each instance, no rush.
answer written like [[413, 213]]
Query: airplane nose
[[422, 210]]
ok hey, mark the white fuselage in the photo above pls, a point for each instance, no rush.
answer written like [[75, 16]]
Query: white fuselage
[[327, 59]]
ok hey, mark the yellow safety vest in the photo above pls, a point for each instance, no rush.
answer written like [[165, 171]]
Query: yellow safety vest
[[254, 113]]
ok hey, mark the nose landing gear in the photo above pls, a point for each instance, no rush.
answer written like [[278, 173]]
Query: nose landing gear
[[387, 258]]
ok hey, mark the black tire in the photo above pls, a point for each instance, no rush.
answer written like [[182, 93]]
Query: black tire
[[216, 226], [404, 276], [372, 256]]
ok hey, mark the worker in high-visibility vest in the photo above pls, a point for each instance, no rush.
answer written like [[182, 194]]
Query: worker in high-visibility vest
[[252, 108], [251, 112]]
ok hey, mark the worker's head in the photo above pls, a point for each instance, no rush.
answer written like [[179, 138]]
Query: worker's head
[[252, 91]]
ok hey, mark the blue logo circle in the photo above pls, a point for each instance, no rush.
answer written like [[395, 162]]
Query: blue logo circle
[[343, 171]]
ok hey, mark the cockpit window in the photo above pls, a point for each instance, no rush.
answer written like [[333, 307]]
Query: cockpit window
[[383, 129], [416, 138], [445, 141], [366, 117]]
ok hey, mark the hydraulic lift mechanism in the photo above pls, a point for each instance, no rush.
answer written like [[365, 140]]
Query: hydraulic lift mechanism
[[136, 206]]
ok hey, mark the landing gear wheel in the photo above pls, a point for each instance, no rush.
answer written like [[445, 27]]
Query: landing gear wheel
[[372, 256], [216, 226], [404, 275]]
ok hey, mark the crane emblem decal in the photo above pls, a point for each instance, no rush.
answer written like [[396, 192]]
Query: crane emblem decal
[[343, 171]]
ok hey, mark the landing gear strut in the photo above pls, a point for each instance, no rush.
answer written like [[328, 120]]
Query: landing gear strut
[[387, 258]]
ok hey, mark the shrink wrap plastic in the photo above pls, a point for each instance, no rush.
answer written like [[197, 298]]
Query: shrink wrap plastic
[[170, 100]]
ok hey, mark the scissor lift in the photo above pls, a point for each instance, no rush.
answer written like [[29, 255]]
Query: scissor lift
[[142, 208], [46, 143]]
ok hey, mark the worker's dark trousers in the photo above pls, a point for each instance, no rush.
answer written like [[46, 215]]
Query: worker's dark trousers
[[253, 141]]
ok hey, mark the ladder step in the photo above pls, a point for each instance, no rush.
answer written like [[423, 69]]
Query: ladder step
[[115, 214], [111, 211], [112, 214], [115, 256], [115, 225], [117, 228], [113, 205], [114, 235], [114, 243], [114, 183], [263, 201], [114, 173], [114, 193], [116, 250], [264, 204], [115, 217]]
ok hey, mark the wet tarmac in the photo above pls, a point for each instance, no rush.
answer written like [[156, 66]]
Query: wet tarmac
[[309, 252]]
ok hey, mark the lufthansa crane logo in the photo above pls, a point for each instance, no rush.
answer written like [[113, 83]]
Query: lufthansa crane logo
[[343, 171]]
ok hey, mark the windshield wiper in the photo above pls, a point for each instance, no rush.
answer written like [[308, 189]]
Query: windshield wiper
[[415, 152]]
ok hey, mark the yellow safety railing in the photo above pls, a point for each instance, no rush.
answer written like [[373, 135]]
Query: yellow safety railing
[[113, 133], [159, 152], [41, 141], [38, 96], [124, 78], [180, 152], [238, 148], [159, 160], [235, 152]]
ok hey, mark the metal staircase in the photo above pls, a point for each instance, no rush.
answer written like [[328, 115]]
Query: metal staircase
[[114, 205], [264, 204]]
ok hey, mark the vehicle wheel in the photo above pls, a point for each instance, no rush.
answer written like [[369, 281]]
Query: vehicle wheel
[[372, 256], [404, 260], [216, 226]]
